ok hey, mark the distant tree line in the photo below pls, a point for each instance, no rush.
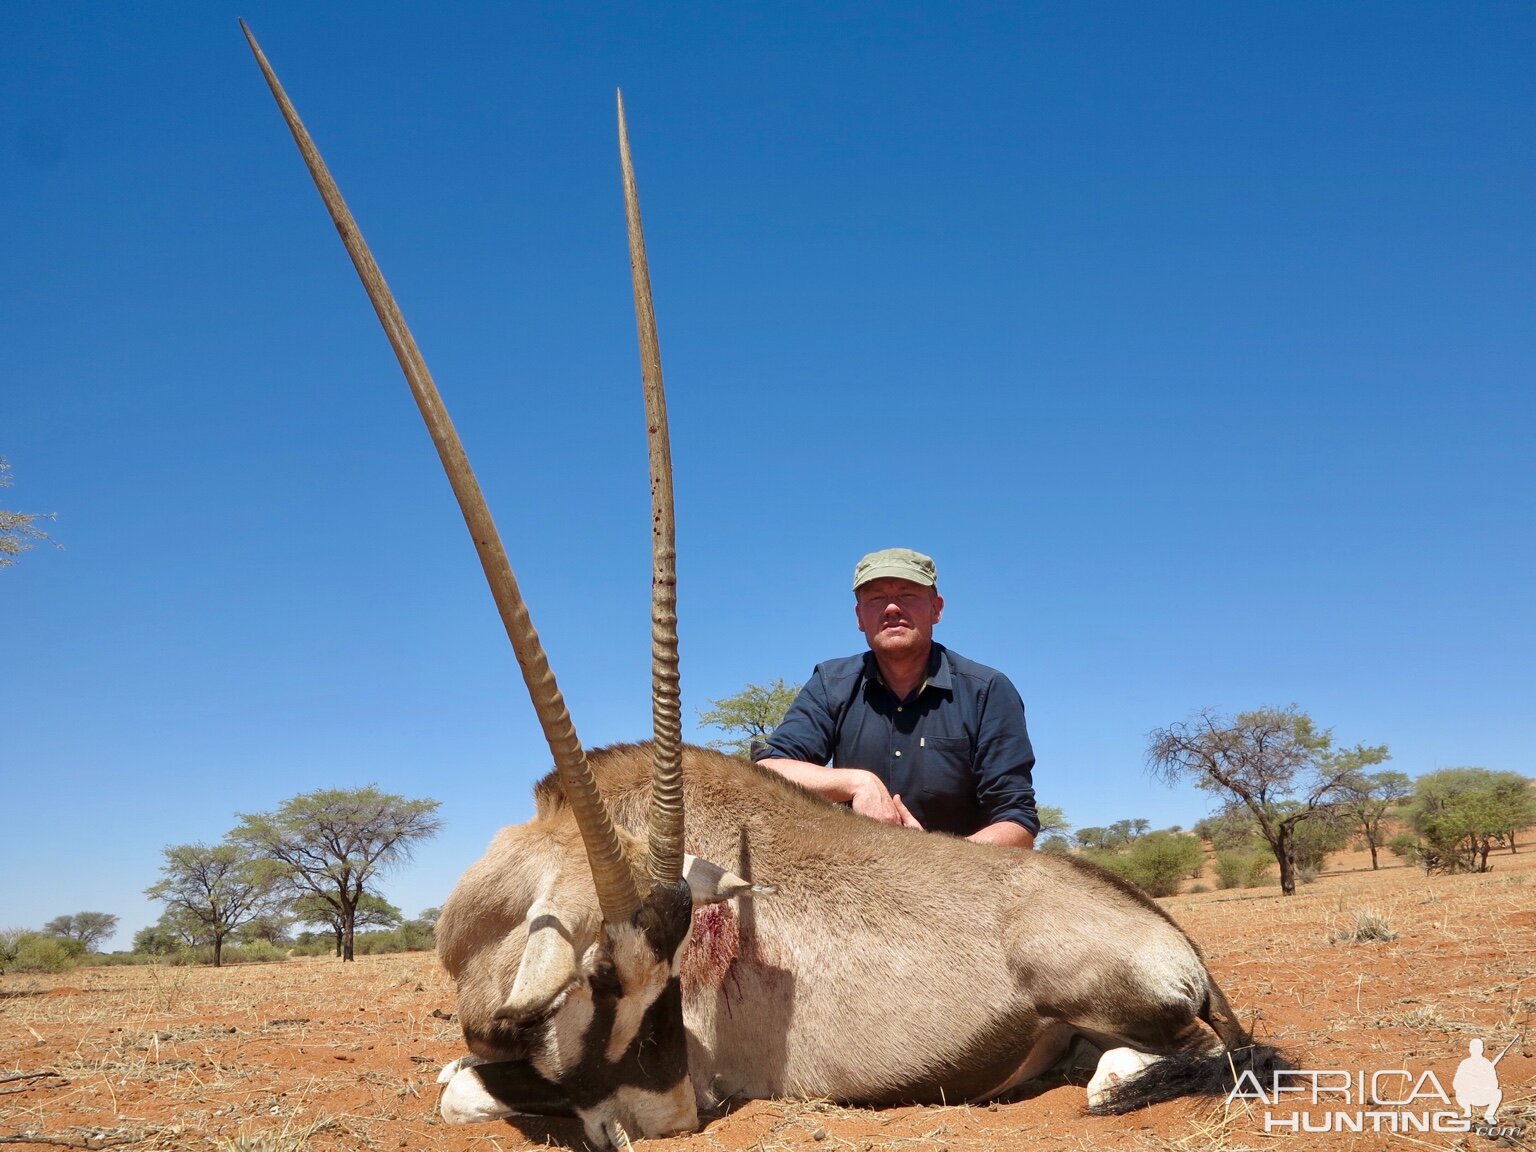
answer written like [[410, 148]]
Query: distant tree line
[[1272, 767], [1283, 783], [59, 945], [1457, 816], [316, 860]]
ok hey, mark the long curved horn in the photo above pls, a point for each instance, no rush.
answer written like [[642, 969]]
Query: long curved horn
[[616, 891], [666, 835]]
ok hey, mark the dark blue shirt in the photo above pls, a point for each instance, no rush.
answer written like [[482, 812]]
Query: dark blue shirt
[[957, 751]]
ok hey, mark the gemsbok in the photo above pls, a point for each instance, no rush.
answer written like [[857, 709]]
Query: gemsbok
[[615, 963]]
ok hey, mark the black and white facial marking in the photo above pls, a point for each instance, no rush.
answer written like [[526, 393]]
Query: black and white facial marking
[[615, 1044], [608, 1043], [476, 1090]]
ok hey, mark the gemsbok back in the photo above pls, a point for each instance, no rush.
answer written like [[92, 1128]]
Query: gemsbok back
[[615, 963]]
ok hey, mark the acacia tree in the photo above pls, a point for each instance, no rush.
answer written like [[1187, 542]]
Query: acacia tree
[[1462, 813], [18, 530], [1054, 827], [1328, 831], [333, 843], [1230, 829], [217, 888], [175, 929], [1274, 762], [1368, 799], [1128, 831], [1116, 836], [274, 927], [86, 928], [1517, 803], [752, 713], [371, 912]]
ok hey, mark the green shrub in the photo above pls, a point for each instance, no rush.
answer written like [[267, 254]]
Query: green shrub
[[256, 952], [1104, 858], [1241, 869], [1314, 841], [1407, 846], [127, 959], [24, 951], [1159, 861], [1229, 831], [1231, 868], [375, 943], [10, 944], [412, 936], [201, 955], [1259, 865]]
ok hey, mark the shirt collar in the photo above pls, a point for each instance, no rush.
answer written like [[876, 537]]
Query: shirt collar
[[939, 675], [938, 669]]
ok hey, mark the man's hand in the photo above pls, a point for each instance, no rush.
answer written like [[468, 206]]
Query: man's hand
[[864, 790], [907, 819], [871, 798]]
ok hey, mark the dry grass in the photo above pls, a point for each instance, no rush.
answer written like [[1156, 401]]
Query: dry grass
[[1369, 924], [299, 1055]]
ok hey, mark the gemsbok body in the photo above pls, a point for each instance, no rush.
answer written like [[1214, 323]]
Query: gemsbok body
[[883, 966], [620, 964]]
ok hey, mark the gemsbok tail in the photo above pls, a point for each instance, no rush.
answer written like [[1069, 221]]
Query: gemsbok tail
[[1197, 1073]]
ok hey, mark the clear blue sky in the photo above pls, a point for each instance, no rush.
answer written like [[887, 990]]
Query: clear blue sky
[[1195, 342]]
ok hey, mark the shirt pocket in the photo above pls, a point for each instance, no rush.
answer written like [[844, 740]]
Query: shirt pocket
[[946, 767]]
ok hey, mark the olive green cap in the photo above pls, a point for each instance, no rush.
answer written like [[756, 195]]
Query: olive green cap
[[902, 563]]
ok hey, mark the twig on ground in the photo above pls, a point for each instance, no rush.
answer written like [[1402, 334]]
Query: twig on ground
[[102, 1140], [12, 1076]]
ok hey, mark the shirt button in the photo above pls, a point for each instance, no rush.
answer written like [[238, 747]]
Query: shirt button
[[898, 751], [898, 707]]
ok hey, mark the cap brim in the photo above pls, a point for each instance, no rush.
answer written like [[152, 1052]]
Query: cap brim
[[897, 571]]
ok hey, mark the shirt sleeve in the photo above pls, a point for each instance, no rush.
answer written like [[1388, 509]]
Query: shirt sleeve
[[1005, 761], [807, 730]]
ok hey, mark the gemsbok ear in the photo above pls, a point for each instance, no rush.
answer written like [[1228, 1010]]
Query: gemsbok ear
[[548, 968], [708, 883]]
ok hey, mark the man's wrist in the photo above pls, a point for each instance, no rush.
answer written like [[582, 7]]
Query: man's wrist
[[1009, 833]]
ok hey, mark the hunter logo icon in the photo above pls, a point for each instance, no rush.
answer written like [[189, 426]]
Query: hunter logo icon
[[1476, 1083]]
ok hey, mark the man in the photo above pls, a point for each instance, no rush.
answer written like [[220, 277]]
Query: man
[[915, 734], [1476, 1083]]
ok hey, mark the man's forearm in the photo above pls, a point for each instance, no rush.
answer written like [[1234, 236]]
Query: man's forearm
[[1004, 832], [864, 790], [835, 784]]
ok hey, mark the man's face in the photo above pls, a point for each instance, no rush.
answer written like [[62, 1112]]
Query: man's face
[[897, 616]]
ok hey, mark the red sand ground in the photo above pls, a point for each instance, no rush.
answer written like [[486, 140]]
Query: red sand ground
[[313, 1054]]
